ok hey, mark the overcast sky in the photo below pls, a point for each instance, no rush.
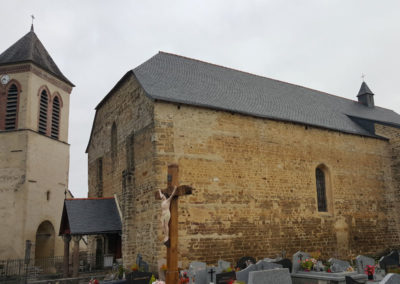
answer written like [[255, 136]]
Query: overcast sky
[[320, 44]]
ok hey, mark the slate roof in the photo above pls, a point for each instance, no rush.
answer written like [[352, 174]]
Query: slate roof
[[178, 79], [89, 216], [30, 49]]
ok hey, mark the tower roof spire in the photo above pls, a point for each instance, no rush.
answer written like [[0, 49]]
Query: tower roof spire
[[30, 49]]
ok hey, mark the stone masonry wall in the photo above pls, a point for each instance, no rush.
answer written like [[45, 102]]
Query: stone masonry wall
[[128, 174], [255, 186], [393, 134]]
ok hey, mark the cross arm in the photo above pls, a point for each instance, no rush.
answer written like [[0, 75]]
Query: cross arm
[[180, 191]]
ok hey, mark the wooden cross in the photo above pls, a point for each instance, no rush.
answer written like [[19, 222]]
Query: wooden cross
[[172, 273]]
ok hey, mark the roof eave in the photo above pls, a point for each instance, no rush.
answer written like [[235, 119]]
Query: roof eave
[[263, 116], [65, 80]]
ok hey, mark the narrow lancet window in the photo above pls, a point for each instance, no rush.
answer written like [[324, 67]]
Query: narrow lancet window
[[114, 142], [11, 108], [99, 182], [321, 190], [55, 120], [43, 112]]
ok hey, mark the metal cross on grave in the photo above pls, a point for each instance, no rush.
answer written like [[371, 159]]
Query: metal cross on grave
[[172, 274]]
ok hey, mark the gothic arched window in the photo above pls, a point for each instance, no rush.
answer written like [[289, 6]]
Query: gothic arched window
[[55, 120], [11, 108], [321, 190], [44, 103]]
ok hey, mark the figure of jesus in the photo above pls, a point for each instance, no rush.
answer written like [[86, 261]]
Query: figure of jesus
[[166, 214]]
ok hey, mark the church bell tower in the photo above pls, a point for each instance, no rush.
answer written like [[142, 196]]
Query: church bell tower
[[34, 149]]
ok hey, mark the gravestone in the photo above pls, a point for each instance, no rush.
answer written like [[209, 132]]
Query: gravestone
[[394, 254], [201, 277], [264, 265], [194, 268], [338, 265], [389, 261], [224, 265], [243, 275], [379, 274], [138, 277], [362, 262], [391, 278], [297, 257], [141, 264], [286, 263], [273, 276], [225, 277]]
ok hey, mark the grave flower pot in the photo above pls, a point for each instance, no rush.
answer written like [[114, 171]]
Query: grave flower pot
[[370, 276]]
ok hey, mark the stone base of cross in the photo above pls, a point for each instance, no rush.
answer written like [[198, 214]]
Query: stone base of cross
[[172, 273]]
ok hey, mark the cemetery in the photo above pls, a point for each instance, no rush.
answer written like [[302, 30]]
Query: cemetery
[[303, 268]]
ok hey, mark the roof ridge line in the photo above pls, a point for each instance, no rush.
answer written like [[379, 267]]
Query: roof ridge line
[[253, 74]]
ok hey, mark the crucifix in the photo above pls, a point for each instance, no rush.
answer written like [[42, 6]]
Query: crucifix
[[171, 195]]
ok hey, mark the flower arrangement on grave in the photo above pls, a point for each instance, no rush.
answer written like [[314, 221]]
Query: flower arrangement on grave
[[134, 267], [327, 266], [370, 271], [308, 264], [164, 267], [229, 269], [183, 278], [121, 271], [350, 269]]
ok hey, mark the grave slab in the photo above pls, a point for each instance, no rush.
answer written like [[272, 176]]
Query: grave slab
[[391, 278], [338, 265], [264, 265], [312, 277], [272, 276]]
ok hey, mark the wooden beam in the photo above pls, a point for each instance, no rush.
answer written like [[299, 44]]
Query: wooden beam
[[172, 274]]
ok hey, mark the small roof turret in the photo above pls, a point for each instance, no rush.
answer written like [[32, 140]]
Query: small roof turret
[[365, 95], [30, 49]]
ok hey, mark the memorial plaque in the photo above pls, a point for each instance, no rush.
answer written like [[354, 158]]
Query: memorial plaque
[[138, 277], [226, 277]]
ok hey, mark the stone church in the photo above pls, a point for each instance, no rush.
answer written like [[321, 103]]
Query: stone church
[[274, 166], [34, 149]]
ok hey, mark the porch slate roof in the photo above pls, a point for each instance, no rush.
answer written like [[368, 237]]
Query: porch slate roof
[[90, 216]]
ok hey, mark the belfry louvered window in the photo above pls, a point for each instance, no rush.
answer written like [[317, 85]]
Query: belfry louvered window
[[43, 112], [321, 190], [11, 108], [55, 120]]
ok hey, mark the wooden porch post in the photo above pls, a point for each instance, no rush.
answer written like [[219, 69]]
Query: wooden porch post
[[67, 240], [75, 260]]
